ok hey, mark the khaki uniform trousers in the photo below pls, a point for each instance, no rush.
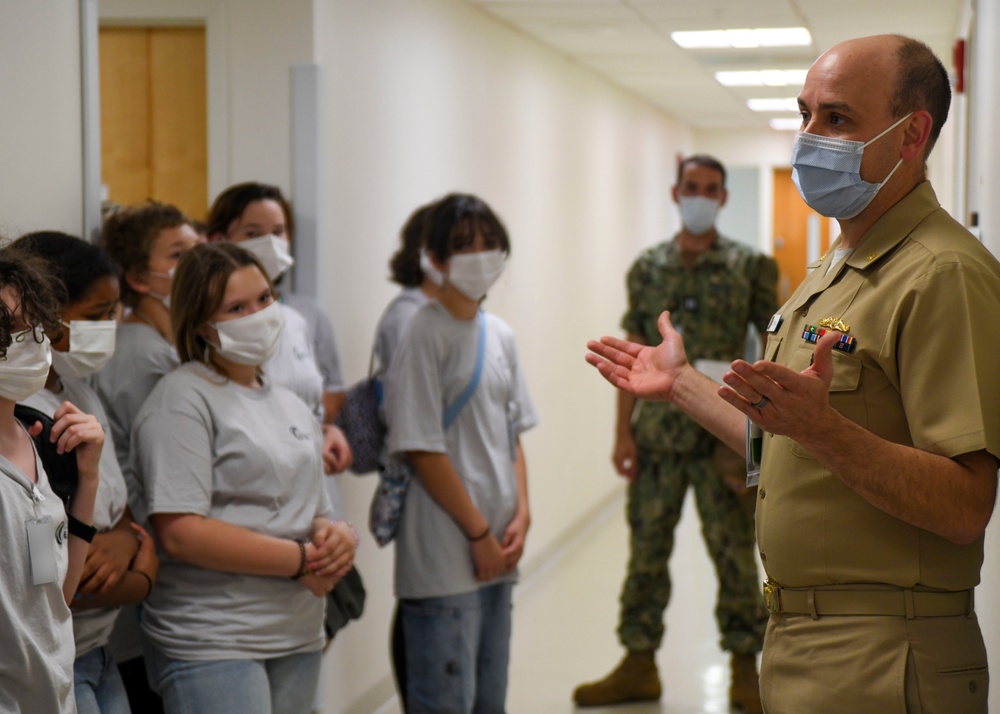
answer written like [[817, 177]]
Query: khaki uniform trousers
[[865, 664]]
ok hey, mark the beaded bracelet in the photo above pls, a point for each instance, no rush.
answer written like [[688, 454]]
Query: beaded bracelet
[[303, 570]]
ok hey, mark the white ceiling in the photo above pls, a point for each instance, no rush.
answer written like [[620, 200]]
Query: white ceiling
[[628, 42]]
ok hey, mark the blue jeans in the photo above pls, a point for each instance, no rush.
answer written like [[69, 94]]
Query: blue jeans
[[457, 650], [280, 685], [98, 685]]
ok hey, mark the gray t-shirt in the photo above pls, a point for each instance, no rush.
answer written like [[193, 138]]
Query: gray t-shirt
[[390, 331], [393, 323], [91, 628], [252, 458], [433, 364], [140, 359], [36, 629], [293, 365], [324, 342]]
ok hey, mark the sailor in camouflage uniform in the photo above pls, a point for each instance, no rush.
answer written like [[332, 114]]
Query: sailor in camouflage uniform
[[714, 288]]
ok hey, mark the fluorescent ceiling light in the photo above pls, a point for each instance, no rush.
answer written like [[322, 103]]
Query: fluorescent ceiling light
[[763, 78], [786, 124], [764, 37], [788, 104]]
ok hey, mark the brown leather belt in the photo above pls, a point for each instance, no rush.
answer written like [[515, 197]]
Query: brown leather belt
[[841, 600]]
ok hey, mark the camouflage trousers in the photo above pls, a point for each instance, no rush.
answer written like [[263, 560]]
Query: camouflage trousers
[[727, 525]]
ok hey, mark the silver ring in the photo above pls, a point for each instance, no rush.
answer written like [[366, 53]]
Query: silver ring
[[762, 403]]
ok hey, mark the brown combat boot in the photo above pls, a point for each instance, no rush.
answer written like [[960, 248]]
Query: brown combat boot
[[744, 694], [635, 679]]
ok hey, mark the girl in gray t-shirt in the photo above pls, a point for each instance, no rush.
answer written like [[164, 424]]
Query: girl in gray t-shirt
[[44, 542], [466, 515], [231, 472]]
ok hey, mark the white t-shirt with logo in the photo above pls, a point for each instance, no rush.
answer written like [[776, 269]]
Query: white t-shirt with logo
[[36, 628]]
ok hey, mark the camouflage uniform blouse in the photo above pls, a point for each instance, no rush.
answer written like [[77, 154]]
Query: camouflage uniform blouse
[[710, 304]]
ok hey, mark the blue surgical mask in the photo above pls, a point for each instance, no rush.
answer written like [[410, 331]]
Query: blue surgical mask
[[827, 173]]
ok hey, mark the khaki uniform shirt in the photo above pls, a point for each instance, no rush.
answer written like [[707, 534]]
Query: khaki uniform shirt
[[921, 298], [711, 303]]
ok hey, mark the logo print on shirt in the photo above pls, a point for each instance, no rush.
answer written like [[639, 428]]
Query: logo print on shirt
[[300, 435], [61, 533]]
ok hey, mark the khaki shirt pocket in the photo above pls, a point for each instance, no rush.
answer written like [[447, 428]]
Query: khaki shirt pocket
[[846, 395]]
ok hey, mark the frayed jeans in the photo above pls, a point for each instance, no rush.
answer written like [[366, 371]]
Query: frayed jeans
[[457, 650]]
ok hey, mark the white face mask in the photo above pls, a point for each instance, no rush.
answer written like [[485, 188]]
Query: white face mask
[[432, 273], [698, 213], [91, 344], [473, 274], [253, 339], [273, 252], [165, 299], [25, 368]]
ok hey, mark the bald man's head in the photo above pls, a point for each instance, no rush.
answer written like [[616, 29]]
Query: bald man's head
[[904, 71]]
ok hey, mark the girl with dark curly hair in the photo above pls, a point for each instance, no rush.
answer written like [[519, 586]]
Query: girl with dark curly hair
[[45, 542]]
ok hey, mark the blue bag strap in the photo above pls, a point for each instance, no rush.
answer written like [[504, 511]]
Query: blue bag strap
[[452, 411]]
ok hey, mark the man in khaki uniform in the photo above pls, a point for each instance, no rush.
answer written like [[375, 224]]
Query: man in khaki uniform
[[878, 398]]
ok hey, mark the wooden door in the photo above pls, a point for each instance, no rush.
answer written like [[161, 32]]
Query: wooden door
[[795, 224], [154, 137]]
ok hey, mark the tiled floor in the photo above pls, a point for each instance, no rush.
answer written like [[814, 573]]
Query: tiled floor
[[565, 618]]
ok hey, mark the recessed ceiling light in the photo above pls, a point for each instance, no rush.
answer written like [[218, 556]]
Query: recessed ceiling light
[[788, 104], [763, 78], [762, 37], [786, 124]]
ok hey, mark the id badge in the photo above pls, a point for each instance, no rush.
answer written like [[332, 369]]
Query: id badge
[[755, 445], [42, 550]]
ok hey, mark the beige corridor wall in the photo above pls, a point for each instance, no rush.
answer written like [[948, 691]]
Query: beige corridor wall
[[41, 179], [423, 97]]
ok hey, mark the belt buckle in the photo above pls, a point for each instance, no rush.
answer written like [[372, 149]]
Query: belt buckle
[[772, 597]]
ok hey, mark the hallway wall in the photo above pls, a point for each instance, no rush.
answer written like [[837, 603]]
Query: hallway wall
[[41, 179]]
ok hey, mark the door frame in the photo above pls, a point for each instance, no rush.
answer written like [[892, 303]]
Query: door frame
[[209, 14]]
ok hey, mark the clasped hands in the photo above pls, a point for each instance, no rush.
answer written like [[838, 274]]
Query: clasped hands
[[329, 555]]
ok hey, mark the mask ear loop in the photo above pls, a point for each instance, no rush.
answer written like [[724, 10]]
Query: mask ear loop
[[886, 179], [872, 141], [899, 163]]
